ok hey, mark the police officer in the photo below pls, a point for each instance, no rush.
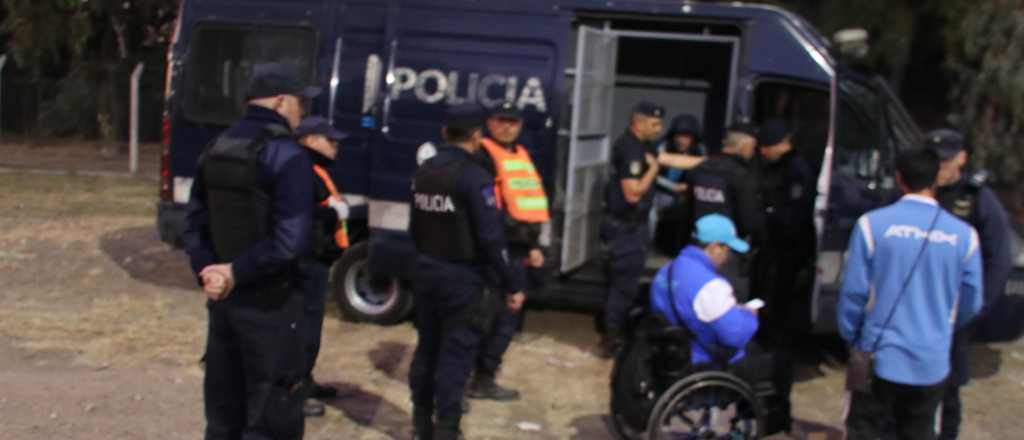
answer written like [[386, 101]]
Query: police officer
[[969, 198], [329, 239], [624, 228], [787, 191], [248, 224], [521, 197], [727, 184], [458, 232]]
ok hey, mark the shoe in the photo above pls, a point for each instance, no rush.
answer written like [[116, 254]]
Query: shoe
[[323, 391], [447, 430], [422, 426], [313, 408], [484, 387]]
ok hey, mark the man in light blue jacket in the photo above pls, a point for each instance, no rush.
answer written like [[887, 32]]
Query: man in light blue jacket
[[913, 274]]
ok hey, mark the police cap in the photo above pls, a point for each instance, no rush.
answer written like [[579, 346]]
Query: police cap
[[649, 109], [772, 132], [319, 125], [464, 117], [507, 110], [945, 142], [274, 80]]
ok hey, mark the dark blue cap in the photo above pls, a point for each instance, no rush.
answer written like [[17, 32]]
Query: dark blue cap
[[772, 132], [945, 142], [273, 80], [649, 109], [319, 125], [507, 110], [465, 117]]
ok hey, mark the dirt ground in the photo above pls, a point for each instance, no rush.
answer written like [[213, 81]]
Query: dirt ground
[[101, 330]]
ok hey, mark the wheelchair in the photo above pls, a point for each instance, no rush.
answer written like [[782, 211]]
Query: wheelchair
[[658, 395]]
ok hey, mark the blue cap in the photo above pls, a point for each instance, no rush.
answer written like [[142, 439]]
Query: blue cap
[[718, 228], [651, 109], [945, 142], [319, 125]]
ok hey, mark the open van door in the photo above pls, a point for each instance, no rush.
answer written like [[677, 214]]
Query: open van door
[[589, 144]]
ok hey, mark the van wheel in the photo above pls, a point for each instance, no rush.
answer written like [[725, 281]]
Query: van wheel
[[364, 298]]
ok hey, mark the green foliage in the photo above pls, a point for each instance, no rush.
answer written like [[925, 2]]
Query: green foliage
[[984, 53]]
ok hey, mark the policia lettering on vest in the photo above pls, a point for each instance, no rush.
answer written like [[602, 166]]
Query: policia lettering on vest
[[520, 195], [249, 222], [457, 228]]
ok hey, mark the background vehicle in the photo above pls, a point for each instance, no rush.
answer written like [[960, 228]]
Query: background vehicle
[[575, 67]]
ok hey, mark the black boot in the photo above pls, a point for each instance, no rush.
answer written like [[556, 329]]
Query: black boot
[[610, 346], [422, 426], [447, 429], [483, 386]]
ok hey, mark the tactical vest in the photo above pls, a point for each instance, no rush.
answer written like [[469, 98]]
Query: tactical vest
[[962, 199], [238, 203], [709, 192], [440, 223], [341, 231], [519, 189]]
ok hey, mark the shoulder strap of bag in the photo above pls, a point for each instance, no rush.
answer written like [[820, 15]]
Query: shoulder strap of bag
[[906, 282]]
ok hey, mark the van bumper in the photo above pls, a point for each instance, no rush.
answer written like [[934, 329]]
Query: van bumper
[[170, 222]]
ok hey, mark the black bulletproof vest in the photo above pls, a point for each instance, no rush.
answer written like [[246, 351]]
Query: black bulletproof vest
[[239, 205], [709, 190], [961, 200], [440, 222]]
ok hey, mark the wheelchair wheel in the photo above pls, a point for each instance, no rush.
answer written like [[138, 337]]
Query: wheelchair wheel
[[708, 405]]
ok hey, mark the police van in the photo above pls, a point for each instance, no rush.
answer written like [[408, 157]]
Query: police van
[[574, 67]]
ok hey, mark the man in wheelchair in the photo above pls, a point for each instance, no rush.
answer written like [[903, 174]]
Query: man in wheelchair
[[690, 360]]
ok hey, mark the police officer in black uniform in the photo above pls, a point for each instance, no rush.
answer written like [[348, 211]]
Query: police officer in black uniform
[[248, 224], [624, 230], [970, 199], [787, 191], [458, 232], [727, 184]]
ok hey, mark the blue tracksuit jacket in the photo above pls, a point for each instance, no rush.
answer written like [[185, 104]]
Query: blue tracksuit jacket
[[944, 290]]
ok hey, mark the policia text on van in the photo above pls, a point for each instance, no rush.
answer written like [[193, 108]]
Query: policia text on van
[[391, 67]]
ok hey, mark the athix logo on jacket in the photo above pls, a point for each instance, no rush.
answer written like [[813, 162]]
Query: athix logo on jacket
[[434, 203], [916, 233], [432, 86]]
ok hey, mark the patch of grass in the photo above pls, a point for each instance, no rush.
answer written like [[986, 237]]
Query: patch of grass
[[48, 196]]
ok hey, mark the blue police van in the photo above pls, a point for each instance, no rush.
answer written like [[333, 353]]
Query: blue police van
[[575, 67]]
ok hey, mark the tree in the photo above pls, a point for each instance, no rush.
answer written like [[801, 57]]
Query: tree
[[87, 47], [984, 54]]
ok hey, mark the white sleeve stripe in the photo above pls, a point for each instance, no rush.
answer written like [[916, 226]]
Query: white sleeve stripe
[[974, 245], [865, 230], [713, 300]]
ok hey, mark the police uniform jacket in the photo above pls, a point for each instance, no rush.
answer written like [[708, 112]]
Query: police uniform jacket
[[788, 188], [284, 168], [474, 192], [628, 162], [726, 184]]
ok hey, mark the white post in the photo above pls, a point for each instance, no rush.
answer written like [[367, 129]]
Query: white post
[[3, 62], [133, 136]]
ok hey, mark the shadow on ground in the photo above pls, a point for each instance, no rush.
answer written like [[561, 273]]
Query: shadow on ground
[[370, 410], [140, 252]]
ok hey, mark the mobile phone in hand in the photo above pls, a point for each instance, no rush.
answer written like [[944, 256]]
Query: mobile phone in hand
[[755, 304]]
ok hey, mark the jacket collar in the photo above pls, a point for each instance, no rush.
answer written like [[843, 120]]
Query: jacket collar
[[920, 199], [265, 115], [697, 254]]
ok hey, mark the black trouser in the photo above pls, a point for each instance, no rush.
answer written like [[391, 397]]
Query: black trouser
[[450, 323], [760, 366], [506, 322], [775, 275], [253, 363], [627, 258], [958, 377], [314, 296], [893, 410]]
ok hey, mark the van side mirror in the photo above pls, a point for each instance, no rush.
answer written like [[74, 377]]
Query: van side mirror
[[852, 42]]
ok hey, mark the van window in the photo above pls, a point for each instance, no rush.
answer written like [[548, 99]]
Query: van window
[[224, 57], [805, 108]]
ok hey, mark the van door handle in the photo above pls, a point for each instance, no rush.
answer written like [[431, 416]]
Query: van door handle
[[389, 81], [335, 74]]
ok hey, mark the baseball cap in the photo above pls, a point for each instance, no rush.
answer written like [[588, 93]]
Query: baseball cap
[[279, 80], [945, 142], [464, 117], [772, 132], [649, 109], [718, 228], [507, 110], [319, 125]]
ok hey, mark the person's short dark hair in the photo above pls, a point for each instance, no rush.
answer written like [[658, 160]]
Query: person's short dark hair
[[462, 120], [918, 168]]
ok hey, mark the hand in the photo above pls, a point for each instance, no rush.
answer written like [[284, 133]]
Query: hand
[[218, 280], [681, 188], [339, 207], [536, 259], [515, 301], [749, 309], [652, 161]]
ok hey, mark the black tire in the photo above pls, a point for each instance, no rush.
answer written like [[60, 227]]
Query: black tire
[[384, 301], [723, 384]]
